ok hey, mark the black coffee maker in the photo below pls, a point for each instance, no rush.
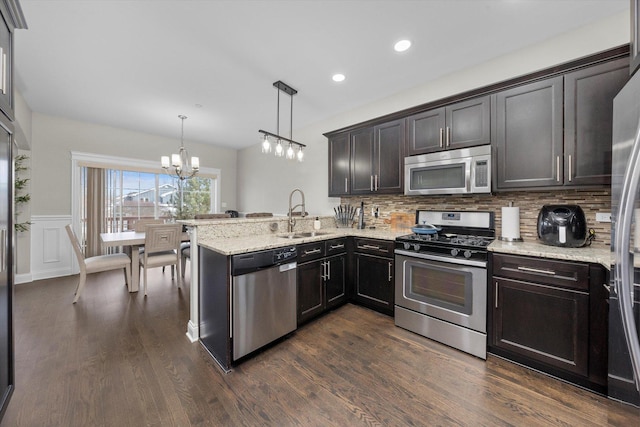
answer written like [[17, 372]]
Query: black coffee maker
[[562, 225]]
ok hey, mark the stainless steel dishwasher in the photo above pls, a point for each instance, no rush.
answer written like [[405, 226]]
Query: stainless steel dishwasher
[[264, 298]]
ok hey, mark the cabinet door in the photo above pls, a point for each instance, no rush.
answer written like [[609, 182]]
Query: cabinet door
[[529, 146], [426, 132], [389, 157], [310, 291], [339, 165], [588, 114], [362, 161], [546, 324], [468, 123], [335, 283], [374, 282], [6, 78]]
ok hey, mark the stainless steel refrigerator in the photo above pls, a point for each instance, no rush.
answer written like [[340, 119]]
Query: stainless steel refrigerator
[[624, 299]]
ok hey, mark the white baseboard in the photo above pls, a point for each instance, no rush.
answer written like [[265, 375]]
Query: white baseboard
[[22, 278]]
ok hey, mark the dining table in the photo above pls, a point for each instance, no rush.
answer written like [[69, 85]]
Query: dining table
[[133, 240]]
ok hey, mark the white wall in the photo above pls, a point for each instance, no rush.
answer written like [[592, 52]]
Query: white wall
[[265, 181], [53, 139]]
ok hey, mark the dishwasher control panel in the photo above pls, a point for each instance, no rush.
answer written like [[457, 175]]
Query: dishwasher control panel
[[283, 254]]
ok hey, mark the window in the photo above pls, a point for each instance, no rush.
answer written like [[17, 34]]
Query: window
[[109, 194]]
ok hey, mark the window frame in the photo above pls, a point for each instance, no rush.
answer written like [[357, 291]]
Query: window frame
[[81, 159]]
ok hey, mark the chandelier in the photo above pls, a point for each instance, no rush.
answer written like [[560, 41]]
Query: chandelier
[[293, 148], [180, 165]]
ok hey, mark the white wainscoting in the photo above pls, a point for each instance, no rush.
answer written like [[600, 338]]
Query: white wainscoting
[[51, 251]]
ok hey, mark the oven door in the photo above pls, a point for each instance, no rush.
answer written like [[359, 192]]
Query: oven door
[[452, 290]]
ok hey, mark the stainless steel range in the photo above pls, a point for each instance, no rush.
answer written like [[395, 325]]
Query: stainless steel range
[[441, 278]]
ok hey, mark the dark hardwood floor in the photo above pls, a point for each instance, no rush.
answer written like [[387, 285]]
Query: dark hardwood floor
[[119, 359]]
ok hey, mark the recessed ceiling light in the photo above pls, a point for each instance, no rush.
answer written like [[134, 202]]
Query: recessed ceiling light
[[402, 45], [338, 77]]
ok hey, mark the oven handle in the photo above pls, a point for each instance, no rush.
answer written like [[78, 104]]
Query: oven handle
[[469, 262]]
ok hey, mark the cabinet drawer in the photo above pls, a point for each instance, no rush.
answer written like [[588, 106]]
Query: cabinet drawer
[[549, 272], [310, 251], [374, 247], [336, 246]]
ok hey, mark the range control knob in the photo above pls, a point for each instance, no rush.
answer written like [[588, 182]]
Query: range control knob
[[467, 254], [416, 247], [455, 251], [407, 246]]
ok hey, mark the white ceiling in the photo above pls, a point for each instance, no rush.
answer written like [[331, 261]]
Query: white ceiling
[[138, 64]]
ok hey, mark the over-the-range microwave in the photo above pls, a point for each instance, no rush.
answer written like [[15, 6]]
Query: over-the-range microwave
[[460, 171]]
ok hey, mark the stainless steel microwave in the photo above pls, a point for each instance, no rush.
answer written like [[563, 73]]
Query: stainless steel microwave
[[461, 171]]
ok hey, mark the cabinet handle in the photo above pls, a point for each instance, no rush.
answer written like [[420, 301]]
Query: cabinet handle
[[607, 287], [3, 64], [448, 136], [371, 183], [346, 186], [336, 247], [441, 137], [558, 168], [324, 270], [377, 248], [314, 251], [570, 167], [390, 276], [496, 293], [537, 270], [328, 270], [3, 249]]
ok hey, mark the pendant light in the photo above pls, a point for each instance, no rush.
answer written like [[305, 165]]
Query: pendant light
[[267, 137]]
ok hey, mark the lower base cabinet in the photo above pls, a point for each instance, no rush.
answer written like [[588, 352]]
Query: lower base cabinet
[[321, 277], [548, 315], [373, 280]]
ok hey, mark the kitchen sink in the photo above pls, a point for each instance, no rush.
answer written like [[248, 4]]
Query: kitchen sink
[[302, 235]]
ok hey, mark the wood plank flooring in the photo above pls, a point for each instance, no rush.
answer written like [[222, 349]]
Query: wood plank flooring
[[119, 359]]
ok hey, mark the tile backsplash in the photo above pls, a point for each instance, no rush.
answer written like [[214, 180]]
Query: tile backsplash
[[530, 202]]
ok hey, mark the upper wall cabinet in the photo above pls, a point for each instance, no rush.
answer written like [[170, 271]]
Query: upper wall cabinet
[[377, 159], [463, 124], [368, 160], [339, 168], [6, 59], [588, 114], [557, 132], [528, 145]]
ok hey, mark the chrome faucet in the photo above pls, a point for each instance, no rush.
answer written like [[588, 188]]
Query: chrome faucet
[[292, 222]]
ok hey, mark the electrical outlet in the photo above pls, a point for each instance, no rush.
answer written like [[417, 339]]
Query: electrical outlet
[[603, 216]]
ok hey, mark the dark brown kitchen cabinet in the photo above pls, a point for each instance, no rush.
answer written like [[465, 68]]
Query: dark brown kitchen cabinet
[[549, 315], [377, 159], [373, 274], [459, 125], [339, 165], [588, 114], [528, 146], [321, 277]]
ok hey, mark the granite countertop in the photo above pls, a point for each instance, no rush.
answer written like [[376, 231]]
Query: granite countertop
[[238, 245], [593, 254]]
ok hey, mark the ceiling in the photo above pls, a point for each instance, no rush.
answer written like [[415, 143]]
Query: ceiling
[[139, 64]]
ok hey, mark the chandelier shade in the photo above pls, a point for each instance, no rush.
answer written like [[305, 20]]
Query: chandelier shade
[[180, 165]]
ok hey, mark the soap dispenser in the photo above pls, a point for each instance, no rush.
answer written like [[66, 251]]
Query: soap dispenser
[[316, 224]]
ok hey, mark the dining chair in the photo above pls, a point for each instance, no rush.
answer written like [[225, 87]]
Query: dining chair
[[96, 263], [162, 248], [140, 224]]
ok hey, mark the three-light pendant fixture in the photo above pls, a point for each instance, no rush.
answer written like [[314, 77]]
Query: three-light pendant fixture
[[294, 148]]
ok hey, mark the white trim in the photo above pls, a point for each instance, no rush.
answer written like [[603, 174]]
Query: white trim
[[22, 278], [51, 252]]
